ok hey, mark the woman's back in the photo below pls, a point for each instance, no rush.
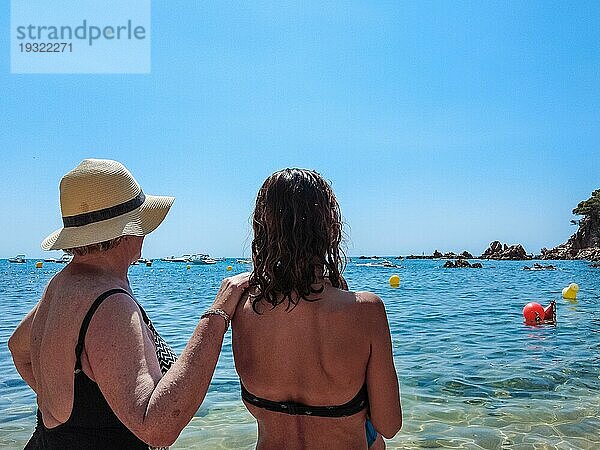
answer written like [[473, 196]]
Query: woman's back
[[54, 334], [315, 354], [315, 361]]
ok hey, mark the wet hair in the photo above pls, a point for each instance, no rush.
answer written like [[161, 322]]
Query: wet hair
[[94, 248], [298, 233]]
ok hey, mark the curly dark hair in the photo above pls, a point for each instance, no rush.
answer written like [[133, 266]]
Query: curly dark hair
[[297, 238]]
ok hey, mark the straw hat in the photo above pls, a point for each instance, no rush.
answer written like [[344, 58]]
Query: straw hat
[[100, 200]]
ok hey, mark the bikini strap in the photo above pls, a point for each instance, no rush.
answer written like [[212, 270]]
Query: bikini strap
[[87, 319], [358, 403]]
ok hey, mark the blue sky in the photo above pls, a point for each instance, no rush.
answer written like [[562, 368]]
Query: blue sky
[[441, 125]]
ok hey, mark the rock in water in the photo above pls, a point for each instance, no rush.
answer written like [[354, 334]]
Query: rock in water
[[497, 250], [461, 263]]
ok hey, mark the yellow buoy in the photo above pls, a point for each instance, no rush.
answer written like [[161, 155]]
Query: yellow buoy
[[188, 267], [39, 264], [229, 268], [394, 281], [570, 292], [148, 263]]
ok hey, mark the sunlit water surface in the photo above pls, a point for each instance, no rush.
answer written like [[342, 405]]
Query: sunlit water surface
[[472, 374]]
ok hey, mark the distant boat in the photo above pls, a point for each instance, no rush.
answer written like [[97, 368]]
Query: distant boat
[[17, 259], [202, 259], [183, 258], [384, 263], [140, 261], [243, 261], [65, 259]]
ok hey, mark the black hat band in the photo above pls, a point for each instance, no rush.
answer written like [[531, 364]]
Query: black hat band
[[104, 214]]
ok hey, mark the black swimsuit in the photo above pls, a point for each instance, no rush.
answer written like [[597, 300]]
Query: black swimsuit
[[92, 424]]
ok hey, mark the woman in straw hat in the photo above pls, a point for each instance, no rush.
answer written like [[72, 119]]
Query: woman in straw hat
[[315, 360], [88, 350]]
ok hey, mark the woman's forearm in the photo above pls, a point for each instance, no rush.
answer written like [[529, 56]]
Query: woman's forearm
[[162, 406], [178, 395]]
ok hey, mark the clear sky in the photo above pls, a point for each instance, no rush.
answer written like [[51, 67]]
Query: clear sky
[[441, 125]]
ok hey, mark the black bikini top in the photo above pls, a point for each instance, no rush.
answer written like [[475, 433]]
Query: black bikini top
[[357, 404]]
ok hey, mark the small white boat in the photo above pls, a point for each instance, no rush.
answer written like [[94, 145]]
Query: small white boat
[[17, 259], [384, 263], [243, 261], [202, 259], [183, 258]]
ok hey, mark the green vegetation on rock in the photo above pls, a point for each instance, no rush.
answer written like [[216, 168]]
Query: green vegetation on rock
[[589, 206]]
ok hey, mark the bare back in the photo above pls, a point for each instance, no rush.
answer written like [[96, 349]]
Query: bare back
[[317, 354], [54, 332]]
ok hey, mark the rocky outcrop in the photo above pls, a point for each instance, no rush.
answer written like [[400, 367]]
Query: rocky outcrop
[[585, 243], [462, 263], [497, 250], [439, 255], [565, 251]]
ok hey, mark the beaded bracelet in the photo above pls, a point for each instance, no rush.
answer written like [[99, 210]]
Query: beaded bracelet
[[217, 312]]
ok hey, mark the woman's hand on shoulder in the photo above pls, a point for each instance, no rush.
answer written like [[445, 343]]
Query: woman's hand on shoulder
[[231, 291]]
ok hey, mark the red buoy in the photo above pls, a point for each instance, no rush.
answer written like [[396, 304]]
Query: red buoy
[[533, 313]]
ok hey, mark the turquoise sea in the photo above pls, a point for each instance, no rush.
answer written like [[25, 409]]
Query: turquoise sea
[[472, 374]]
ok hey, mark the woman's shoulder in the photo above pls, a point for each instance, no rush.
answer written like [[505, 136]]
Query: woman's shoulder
[[75, 294], [369, 305], [365, 297], [365, 300]]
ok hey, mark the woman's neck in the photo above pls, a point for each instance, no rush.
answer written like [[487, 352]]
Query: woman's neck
[[112, 262]]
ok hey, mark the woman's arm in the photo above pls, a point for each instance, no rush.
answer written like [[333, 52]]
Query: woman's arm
[[19, 345], [124, 365], [382, 381]]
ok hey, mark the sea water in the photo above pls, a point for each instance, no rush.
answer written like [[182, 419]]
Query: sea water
[[472, 375]]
